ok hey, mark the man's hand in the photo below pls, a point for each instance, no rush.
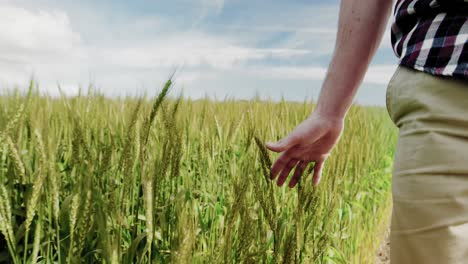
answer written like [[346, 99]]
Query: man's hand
[[311, 141], [360, 28]]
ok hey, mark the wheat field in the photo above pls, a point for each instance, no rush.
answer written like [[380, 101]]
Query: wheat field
[[88, 179]]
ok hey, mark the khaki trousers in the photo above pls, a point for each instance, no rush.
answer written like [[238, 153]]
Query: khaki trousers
[[430, 178]]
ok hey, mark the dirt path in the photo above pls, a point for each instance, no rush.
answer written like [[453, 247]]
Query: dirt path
[[383, 254]]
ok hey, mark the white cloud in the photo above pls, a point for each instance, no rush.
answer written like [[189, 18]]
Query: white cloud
[[190, 49], [38, 43], [292, 83], [376, 74], [217, 5], [45, 42], [380, 74], [39, 35], [289, 73], [386, 39]]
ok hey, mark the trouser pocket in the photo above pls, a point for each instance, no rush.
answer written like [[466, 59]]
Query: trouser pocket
[[390, 94]]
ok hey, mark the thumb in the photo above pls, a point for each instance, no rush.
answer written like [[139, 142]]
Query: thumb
[[282, 145]]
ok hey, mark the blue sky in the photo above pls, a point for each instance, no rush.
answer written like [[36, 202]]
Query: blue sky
[[221, 48]]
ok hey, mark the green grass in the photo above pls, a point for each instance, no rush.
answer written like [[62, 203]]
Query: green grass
[[89, 179]]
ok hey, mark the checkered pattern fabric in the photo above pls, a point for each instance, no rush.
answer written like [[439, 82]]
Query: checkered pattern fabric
[[432, 36]]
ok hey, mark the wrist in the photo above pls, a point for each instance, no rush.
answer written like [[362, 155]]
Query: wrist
[[329, 113], [327, 121]]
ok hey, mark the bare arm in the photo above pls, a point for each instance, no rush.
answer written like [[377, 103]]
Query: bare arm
[[360, 30]]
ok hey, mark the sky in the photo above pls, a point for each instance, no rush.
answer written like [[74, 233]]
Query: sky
[[218, 48]]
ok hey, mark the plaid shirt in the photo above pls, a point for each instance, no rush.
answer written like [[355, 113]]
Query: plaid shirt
[[431, 36]]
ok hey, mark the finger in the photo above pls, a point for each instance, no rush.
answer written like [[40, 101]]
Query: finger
[[298, 173], [279, 164], [282, 145], [286, 170], [317, 172]]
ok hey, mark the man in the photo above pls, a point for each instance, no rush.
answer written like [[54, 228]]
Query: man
[[427, 100]]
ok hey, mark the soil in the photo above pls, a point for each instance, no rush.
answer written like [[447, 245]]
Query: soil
[[383, 254]]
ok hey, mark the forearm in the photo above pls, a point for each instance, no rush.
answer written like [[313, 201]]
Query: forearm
[[360, 30]]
